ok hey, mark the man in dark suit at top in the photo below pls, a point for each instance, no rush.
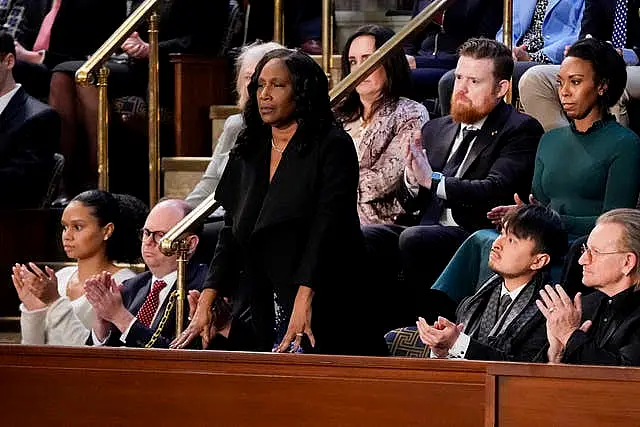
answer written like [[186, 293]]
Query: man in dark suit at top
[[501, 320], [603, 328], [459, 168], [145, 304], [29, 133]]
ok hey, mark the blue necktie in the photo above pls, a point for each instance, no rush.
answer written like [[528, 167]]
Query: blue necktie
[[619, 37]]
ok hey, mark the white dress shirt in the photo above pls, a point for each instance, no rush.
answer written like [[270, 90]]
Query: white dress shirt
[[4, 99], [459, 348], [170, 279], [447, 217]]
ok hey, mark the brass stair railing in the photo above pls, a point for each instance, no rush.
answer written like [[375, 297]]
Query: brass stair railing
[[86, 76]]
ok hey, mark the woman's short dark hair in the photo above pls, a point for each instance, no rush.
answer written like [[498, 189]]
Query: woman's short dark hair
[[608, 68], [395, 66], [310, 95], [126, 213], [541, 224]]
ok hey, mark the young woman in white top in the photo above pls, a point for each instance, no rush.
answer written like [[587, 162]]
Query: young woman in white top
[[98, 229]]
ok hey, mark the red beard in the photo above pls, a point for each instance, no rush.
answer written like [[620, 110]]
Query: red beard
[[462, 111]]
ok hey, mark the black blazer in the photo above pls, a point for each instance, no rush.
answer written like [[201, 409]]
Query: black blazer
[[598, 21], [618, 344], [29, 131], [300, 229], [134, 292], [519, 343], [500, 163], [462, 20]]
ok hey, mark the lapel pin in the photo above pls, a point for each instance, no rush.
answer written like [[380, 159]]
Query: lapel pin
[[494, 133]]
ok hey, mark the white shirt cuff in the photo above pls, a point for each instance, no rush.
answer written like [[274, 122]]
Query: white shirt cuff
[[96, 341], [125, 334], [413, 189], [459, 348], [441, 192]]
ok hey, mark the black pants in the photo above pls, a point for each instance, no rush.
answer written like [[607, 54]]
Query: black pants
[[420, 253]]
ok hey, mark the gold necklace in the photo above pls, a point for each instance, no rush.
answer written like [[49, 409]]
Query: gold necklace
[[275, 147]]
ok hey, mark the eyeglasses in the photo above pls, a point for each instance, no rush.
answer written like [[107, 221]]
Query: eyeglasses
[[592, 252], [157, 236]]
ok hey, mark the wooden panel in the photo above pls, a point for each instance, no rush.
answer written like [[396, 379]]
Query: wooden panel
[[161, 387], [199, 83], [560, 395], [26, 235]]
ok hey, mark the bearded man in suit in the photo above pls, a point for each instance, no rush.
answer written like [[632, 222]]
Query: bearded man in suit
[[460, 167]]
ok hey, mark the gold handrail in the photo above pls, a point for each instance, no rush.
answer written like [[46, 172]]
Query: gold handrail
[[84, 77], [114, 42], [416, 24]]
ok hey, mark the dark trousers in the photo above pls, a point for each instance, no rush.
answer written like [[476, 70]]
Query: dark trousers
[[445, 86], [420, 252]]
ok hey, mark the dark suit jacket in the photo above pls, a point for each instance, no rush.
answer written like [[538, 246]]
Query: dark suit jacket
[[300, 229], [598, 21], [500, 163], [462, 20], [134, 292], [29, 132], [619, 341], [520, 343]]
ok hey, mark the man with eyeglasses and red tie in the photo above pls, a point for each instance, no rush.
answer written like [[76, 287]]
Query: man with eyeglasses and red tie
[[130, 315], [603, 328]]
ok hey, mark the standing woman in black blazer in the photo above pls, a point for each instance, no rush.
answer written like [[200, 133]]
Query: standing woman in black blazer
[[291, 243]]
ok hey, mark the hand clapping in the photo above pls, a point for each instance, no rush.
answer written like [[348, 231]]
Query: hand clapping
[[441, 336], [563, 315], [418, 167]]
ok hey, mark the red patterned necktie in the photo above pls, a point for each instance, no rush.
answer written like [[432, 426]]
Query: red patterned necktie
[[150, 305]]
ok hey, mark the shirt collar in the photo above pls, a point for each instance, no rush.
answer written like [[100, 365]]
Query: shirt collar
[[169, 279], [514, 293], [477, 125], [6, 98], [620, 299]]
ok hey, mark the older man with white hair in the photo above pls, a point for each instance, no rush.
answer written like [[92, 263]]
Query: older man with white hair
[[604, 327]]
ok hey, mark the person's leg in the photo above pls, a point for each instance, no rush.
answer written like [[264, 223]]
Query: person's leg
[[425, 251], [88, 118], [445, 90], [62, 98], [632, 91], [539, 96], [468, 268], [381, 270], [519, 69]]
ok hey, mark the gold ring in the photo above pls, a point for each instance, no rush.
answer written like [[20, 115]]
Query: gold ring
[[551, 309], [299, 334]]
